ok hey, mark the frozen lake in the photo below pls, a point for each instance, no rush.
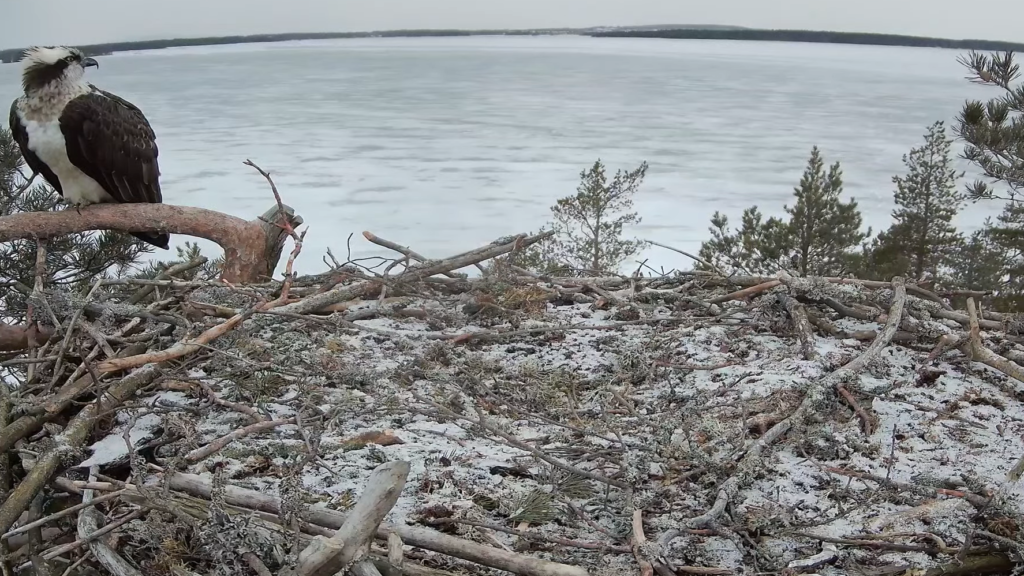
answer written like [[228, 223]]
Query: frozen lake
[[445, 144]]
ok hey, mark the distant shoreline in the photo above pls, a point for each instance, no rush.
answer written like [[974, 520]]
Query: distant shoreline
[[677, 32]]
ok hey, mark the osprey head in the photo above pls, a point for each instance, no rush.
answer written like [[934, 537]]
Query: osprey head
[[44, 66]]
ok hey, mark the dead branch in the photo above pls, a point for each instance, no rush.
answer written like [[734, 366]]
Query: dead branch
[[218, 444], [411, 535], [866, 422], [327, 556], [975, 499], [249, 246], [72, 438], [690, 256], [404, 250], [66, 512], [481, 421], [646, 569], [533, 535], [976, 350], [815, 396], [22, 337], [169, 273], [89, 521], [801, 325], [413, 273], [746, 292], [178, 350]]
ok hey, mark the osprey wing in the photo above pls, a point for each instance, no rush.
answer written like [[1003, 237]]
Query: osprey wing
[[34, 163], [109, 139]]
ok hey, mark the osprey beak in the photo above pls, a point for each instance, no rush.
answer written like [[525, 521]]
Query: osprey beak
[[86, 62]]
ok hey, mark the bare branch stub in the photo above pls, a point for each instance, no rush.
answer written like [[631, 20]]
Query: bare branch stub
[[251, 251], [285, 219]]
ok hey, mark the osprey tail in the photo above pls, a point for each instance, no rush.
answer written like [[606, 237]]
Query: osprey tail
[[159, 240]]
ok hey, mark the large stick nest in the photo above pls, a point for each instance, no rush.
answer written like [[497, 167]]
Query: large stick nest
[[683, 424]]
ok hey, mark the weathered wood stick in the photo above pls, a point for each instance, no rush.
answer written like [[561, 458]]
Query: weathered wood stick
[[89, 521], [801, 325], [411, 535], [403, 250], [976, 350], [327, 556], [318, 301], [73, 436]]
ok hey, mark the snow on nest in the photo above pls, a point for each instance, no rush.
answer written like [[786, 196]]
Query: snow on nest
[[960, 427]]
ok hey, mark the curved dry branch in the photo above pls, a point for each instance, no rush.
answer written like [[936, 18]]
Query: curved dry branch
[[251, 248]]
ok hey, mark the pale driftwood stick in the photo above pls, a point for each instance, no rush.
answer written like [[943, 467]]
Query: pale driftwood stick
[[327, 556], [688, 255], [801, 325], [248, 246], [61, 514], [403, 250], [815, 396], [170, 272], [414, 273], [89, 521], [411, 535], [976, 350], [396, 555], [965, 319], [646, 569], [72, 438]]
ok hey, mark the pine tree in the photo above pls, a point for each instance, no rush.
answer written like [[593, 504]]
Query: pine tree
[[589, 226], [978, 264], [922, 238], [758, 247], [816, 241], [823, 228], [72, 260], [993, 133], [1007, 239]]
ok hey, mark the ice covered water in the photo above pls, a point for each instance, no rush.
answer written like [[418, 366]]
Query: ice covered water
[[448, 143]]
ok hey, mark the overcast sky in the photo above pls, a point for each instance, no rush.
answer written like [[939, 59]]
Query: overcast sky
[[86, 21]]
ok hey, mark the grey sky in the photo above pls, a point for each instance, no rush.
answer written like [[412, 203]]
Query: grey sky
[[66, 21]]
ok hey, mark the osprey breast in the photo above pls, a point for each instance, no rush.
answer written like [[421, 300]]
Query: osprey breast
[[46, 140]]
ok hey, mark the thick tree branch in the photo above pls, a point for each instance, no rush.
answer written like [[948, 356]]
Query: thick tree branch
[[21, 337], [251, 248]]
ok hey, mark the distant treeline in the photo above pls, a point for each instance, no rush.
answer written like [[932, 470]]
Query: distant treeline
[[13, 55], [816, 36], [675, 31]]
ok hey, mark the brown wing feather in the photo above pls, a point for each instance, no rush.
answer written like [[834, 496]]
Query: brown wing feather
[[33, 161], [110, 139]]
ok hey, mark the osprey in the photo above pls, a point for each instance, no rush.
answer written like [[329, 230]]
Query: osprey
[[90, 145]]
